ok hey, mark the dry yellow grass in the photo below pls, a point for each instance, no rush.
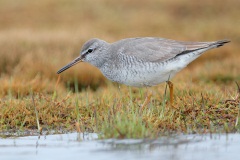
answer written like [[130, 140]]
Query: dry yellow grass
[[39, 37]]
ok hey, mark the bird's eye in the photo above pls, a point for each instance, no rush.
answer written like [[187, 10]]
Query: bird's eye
[[90, 50]]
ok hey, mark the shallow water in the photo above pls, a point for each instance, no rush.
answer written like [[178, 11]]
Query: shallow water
[[75, 146]]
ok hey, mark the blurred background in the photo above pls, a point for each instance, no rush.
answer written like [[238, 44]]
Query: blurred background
[[39, 37]]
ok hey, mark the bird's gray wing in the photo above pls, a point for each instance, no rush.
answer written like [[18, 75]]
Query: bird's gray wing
[[157, 49]]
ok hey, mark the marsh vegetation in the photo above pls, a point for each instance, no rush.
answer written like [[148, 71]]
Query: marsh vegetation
[[38, 37]]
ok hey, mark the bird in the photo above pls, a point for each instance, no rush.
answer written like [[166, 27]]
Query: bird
[[142, 61]]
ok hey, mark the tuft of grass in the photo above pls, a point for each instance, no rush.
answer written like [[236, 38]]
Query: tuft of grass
[[123, 117], [37, 118]]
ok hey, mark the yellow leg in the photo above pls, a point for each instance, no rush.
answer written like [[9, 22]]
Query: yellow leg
[[170, 85]]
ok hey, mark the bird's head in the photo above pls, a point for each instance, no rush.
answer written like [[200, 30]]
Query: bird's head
[[92, 52]]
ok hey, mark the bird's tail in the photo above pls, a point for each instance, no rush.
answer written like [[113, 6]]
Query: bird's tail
[[197, 48], [220, 43]]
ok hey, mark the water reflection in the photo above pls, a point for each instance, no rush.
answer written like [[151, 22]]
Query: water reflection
[[79, 146]]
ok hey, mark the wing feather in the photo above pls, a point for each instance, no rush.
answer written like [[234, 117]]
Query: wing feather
[[157, 49]]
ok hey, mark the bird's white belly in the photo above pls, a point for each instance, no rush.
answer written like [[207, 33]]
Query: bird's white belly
[[144, 75], [148, 78]]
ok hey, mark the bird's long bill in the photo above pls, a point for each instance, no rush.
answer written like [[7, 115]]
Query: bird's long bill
[[75, 61]]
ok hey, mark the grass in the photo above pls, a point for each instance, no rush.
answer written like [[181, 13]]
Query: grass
[[38, 38]]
